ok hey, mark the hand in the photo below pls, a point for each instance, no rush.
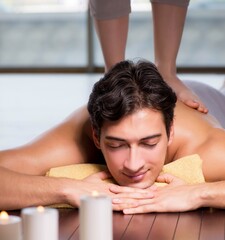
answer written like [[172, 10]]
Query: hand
[[167, 178], [174, 197], [95, 182]]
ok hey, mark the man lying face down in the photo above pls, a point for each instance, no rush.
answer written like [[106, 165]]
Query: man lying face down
[[138, 125], [131, 111]]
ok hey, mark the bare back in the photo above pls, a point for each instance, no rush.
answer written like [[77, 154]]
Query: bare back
[[71, 142], [197, 133]]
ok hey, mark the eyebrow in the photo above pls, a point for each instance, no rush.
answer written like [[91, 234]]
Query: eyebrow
[[142, 139]]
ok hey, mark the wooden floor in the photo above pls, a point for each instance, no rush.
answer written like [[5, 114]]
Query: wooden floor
[[203, 224]]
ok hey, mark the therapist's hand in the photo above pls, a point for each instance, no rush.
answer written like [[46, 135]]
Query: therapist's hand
[[175, 197]]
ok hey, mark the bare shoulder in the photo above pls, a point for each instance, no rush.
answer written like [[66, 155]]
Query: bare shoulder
[[194, 119], [191, 129], [63, 144], [197, 133]]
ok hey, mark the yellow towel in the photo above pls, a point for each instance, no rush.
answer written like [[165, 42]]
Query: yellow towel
[[187, 168], [76, 171]]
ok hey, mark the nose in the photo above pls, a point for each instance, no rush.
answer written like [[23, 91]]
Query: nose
[[134, 161]]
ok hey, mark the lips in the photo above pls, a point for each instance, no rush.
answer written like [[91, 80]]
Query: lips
[[137, 177]]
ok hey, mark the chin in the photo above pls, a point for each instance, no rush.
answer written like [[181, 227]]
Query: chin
[[141, 185]]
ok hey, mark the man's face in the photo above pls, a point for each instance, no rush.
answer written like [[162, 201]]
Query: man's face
[[135, 147]]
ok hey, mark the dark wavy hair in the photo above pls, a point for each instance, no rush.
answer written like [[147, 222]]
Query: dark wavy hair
[[127, 87]]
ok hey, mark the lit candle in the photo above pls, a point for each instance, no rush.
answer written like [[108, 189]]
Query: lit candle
[[10, 227], [40, 223], [95, 217]]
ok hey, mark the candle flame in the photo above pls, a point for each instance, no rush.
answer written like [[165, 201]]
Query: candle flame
[[95, 193], [40, 209], [4, 215]]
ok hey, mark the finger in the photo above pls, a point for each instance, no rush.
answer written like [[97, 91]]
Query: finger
[[136, 210], [170, 179], [165, 178], [145, 206], [122, 206], [136, 201], [154, 187], [119, 197], [122, 189]]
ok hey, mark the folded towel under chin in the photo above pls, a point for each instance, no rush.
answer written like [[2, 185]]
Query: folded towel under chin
[[187, 168]]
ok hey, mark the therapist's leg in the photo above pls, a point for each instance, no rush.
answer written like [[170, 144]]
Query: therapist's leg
[[168, 21], [112, 35], [111, 19]]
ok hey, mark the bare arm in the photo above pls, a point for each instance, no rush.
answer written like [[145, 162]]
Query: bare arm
[[175, 197], [64, 144], [22, 190], [22, 169]]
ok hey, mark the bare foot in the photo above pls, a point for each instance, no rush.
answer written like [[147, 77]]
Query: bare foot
[[185, 94]]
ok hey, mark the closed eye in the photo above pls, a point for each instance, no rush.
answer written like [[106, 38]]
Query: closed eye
[[147, 145], [116, 146]]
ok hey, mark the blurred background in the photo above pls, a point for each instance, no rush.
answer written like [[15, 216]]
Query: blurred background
[[50, 58], [58, 35]]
